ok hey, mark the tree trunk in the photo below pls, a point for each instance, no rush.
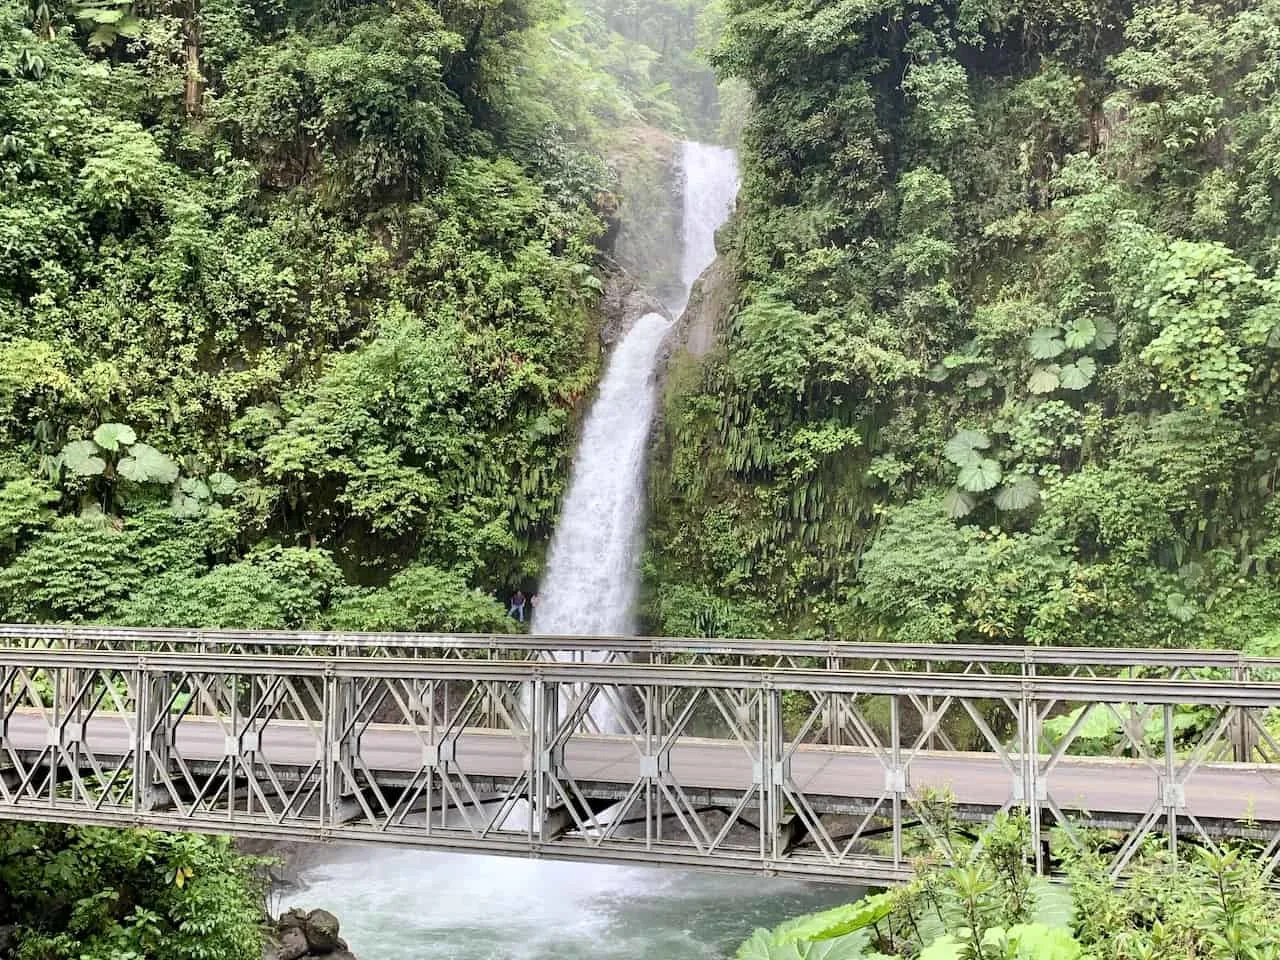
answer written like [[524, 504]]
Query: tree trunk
[[194, 88]]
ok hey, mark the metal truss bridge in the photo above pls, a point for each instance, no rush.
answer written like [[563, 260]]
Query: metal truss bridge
[[822, 761]]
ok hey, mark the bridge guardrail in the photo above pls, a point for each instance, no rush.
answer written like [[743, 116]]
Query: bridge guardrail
[[992, 658]]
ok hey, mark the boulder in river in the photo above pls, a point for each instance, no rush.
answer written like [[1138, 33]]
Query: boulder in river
[[303, 935]]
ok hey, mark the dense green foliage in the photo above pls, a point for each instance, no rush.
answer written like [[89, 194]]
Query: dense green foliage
[[94, 894], [297, 303], [1214, 906], [1002, 366], [663, 41]]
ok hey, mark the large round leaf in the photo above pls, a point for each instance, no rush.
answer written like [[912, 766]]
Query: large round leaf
[[82, 458], [195, 488], [222, 484], [1107, 333], [1047, 343], [1044, 379], [1078, 375], [958, 504], [1080, 333], [110, 436], [1018, 493], [146, 464], [962, 448], [980, 476], [183, 505]]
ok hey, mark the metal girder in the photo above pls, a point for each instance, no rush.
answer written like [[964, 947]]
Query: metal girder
[[786, 770], [834, 655]]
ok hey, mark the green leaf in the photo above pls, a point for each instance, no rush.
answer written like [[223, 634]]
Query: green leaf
[[962, 448], [1180, 608], [938, 373], [195, 488], [1033, 941], [146, 464], [82, 458], [109, 436], [978, 378], [980, 475], [222, 484], [1080, 333], [1044, 379], [958, 504], [838, 921], [1107, 333], [1055, 907], [184, 506], [1019, 493], [1100, 724], [1047, 343], [944, 948], [103, 15], [1078, 375]]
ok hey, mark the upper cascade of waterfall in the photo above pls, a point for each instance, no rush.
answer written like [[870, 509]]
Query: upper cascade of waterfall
[[710, 187], [592, 572]]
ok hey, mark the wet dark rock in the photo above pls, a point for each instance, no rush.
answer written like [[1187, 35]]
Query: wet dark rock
[[293, 944], [304, 935], [624, 302], [321, 930]]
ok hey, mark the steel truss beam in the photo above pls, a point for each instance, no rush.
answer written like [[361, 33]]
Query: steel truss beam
[[814, 773], [887, 657]]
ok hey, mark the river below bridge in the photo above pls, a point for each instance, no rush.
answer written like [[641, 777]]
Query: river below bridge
[[413, 905]]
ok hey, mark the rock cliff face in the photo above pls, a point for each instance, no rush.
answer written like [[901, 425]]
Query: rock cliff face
[[303, 935], [645, 235], [699, 328]]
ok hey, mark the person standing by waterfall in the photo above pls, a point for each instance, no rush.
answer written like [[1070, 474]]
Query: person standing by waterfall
[[517, 606]]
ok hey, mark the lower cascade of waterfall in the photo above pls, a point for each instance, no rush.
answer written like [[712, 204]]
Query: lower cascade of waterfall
[[409, 905], [590, 584]]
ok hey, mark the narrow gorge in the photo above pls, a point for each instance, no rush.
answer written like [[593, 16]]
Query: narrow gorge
[[406, 905]]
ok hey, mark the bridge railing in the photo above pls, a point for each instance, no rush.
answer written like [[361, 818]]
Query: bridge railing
[[809, 773], [764, 654]]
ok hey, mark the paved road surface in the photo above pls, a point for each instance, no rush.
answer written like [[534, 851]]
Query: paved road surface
[[1100, 786]]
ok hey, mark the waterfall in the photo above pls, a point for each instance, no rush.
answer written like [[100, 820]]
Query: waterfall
[[710, 186], [590, 585]]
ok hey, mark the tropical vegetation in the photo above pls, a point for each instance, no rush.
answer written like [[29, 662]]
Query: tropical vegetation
[[1000, 358], [76, 893], [1209, 904]]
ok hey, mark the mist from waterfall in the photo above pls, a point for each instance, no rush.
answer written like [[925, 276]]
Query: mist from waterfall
[[591, 581]]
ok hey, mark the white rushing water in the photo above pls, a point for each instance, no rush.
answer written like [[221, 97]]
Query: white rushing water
[[590, 584], [409, 905], [710, 187]]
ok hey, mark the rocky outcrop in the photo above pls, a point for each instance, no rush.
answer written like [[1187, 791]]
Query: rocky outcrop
[[645, 229], [710, 309], [624, 302], [303, 935]]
